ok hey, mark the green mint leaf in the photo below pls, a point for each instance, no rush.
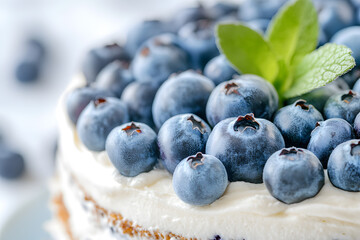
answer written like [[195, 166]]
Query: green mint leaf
[[319, 68], [293, 32], [247, 50]]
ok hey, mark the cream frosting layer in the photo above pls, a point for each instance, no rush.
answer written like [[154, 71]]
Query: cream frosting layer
[[245, 211]]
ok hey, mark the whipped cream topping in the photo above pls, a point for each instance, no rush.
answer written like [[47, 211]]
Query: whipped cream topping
[[245, 211]]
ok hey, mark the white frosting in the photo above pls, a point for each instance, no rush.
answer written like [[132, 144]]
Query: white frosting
[[244, 211]]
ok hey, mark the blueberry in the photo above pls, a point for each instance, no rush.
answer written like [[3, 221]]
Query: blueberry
[[348, 37], [356, 86], [351, 77], [181, 136], [12, 164], [200, 179], [98, 119], [114, 77], [345, 105], [158, 58], [336, 15], [260, 24], [139, 98], [292, 175], [219, 70], [222, 9], [357, 125], [322, 38], [198, 39], [242, 95], [243, 145], [187, 92], [144, 31], [79, 98], [97, 58], [191, 14], [132, 148], [327, 135], [344, 166], [253, 9], [296, 122]]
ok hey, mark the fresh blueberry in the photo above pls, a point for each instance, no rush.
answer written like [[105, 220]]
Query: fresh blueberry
[[200, 179], [190, 14], [356, 86], [336, 15], [348, 37], [98, 119], [357, 125], [132, 148], [79, 98], [29, 66], [345, 105], [351, 77], [254, 9], [158, 58], [222, 9], [296, 122], [219, 70], [139, 98], [198, 39], [344, 166], [187, 92], [114, 77], [327, 135], [144, 31], [242, 95], [12, 164], [181, 136], [260, 24], [292, 175], [243, 145], [97, 58]]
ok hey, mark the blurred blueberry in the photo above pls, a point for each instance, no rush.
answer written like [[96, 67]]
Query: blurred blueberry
[[12, 164], [144, 31], [243, 145], [348, 37], [260, 24], [158, 58], [254, 9], [242, 95], [132, 148], [98, 119], [344, 166], [191, 14], [200, 179], [222, 9], [357, 125], [341, 83], [356, 86], [187, 92], [327, 135], [345, 105], [29, 66], [181, 136], [219, 70], [198, 39], [97, 58], [352, 76], [322, 38], [114, 77], [79, 98], [296, 122], [292, 175]]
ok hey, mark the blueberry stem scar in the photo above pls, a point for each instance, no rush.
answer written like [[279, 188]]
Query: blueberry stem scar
[[131, 129], [302, 103], [196, 161], [244, 122], [231, 88], [348, 97], [292, 150], [355, 148], [197, 124], [99, 101]]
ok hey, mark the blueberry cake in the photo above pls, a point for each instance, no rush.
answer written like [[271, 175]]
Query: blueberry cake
[[170, 137]]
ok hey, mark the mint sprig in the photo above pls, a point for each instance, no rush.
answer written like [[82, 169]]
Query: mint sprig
[[286, 57]]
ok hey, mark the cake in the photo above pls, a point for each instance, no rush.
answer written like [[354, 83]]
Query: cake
[[92, 200]]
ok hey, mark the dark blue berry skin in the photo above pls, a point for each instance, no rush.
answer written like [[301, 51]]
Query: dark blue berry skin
[[97, 58], [114, 77], [292, 175], [357, 125], [132, 148], [12, 164], [222, 9], [254, 9], [139, 98], [351, 77], [198, 39], [345, 105], [336, 15], [181, 136], [187, 92], [219, 70], [322, 38], [327, 135], [79, 98], [191, 14], [158, 58], [200, 179], [296, 122], [144, 31], [344, 166], [348, 37], [259, 25], [243, 145], [242, 95], [98, 119]]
